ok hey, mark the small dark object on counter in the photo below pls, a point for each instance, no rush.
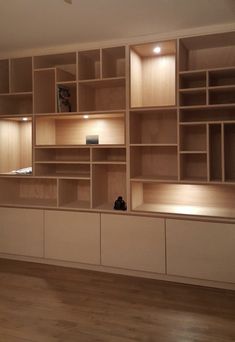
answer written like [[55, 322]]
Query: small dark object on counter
[[120, 204]]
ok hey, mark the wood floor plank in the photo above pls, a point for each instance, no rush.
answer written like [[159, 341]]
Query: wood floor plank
[[42, 303]]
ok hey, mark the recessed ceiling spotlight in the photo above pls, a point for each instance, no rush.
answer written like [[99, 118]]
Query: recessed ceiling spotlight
[[25, 119], [157, 49], [85, 116]]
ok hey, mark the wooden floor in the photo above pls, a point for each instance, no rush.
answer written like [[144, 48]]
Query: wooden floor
[[46, 304]]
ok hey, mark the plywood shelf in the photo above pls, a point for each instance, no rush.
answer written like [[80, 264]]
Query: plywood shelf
[[74, 193]]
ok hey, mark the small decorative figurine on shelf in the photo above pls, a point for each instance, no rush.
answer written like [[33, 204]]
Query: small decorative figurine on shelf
[[120, 204]]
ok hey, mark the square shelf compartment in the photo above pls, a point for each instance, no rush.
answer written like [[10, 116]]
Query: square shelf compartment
[[113, 62], [11, 104], [4, 76], [21, 74], [224, 77], [215, 152], [109, 155], [63, 90], [193, 97], [193, 138], [89, 65], [32, 192], [207, 52], [229, 148], [153, 127], [222, 96], [207, 114], [184, 199], [192, 80], [108, 182], [73, 130], [15, 144], [62, 154], [44, 91], [153, 75], [65, 64], [60, 169], [154, 162], [193, 167], [102, 95], [74, 193]]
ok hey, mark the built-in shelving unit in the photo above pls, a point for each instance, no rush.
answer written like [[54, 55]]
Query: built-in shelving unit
[[152, 122]]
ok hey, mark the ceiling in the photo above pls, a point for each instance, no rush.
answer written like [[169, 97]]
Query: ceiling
[[27, 24]]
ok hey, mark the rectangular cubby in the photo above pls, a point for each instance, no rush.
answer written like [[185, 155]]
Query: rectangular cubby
[[223, 95], [193, 167], [73, 130], [207, 52], [62, 155], [229, 154], [20, 103], [191, 97], [215, 152], [21, 74], [61, 169], [154, 162], [102, 95], [44, 91], [65, 64], [4, 76], [74, 193], [66, 97], [186, 199], [113, 62], [152, 74], [224, 77], [32, 192], [153, 126], [109, 155], [225, 113], [193, 137], [190, 80], [89, 65], [15, 144], [108, 183]]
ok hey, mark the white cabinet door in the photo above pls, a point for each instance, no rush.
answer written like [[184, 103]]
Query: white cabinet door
[[202, 250], [72, 236], [132, 242], [21, 232]]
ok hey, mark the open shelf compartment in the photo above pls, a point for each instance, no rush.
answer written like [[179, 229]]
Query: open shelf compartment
[[74, 193], [21, 74], [113, 62], [229, 148], [15, 144], [89, 65]]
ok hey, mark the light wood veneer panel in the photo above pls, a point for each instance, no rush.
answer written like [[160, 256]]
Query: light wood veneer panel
[[136, 243], [201, 250], [21, 232], [72, 236]]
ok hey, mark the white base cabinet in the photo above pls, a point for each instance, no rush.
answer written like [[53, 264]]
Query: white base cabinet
[[201, 250], [72, 236], [133, 242], [21, 232]]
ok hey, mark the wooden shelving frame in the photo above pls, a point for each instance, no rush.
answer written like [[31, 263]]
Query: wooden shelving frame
[[164, 122]]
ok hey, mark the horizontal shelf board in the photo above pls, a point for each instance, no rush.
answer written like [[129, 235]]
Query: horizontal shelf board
[[17, 94], [109, 162], [111, 81], [76, 205], [66, 175], [198, 180], [107, 146], [67, 83], [80, 146], [105, 206], [215, 89], [156, 145], [45, 69], [62, 162], [16, 117], [186, 210], [212, 106], [154, 178], [32, 202], [205, 70], [193, 152], [79, 115], [193, 90], [150, 108]]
